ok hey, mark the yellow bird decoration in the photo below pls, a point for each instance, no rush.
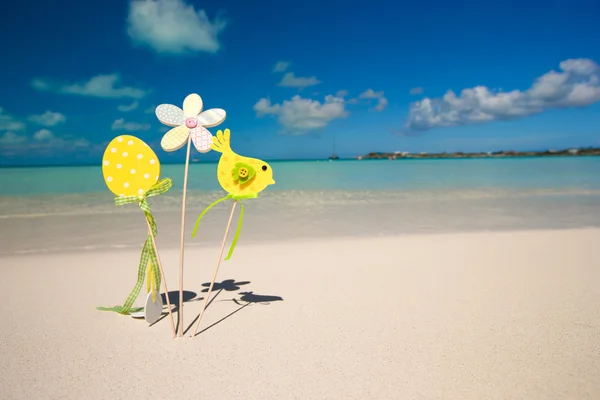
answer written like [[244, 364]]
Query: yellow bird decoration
[[241, 177]]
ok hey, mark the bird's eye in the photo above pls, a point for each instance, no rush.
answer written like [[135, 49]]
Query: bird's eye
[[264, 167]]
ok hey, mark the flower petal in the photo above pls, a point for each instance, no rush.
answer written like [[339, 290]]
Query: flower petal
[[202, 139], [212, 117], [192, 105], [175, 138], [170, 115]]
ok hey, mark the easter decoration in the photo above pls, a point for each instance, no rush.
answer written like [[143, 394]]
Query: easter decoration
[[189, 126], [242, 178], [131, 171]]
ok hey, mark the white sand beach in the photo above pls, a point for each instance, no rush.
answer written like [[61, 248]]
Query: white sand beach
[[496, 315]]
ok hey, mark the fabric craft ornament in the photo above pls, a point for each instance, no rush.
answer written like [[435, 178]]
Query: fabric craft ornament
[[242, 178], [190, 125], [131, 171]]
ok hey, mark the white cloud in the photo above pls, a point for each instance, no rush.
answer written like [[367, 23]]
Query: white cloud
[[66, 143], [49, 118], [98, 86], [43, 135], [300, 115], [416, 90], [381, 104], [121, 125], [42, 140], [9, 123], [41, 84], [281, 66], [290, 80], [173, 27], [370, 94], [128, 107], [576, 85], [342, 93], [11, 138], [81, 142]]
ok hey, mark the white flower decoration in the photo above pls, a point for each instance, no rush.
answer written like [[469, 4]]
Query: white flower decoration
[[188, 122]]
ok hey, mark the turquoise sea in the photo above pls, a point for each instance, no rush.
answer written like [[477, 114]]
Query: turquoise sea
[[560, 173], [58, 208]]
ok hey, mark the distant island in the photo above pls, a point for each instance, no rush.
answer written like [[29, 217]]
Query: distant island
[[588, 151]]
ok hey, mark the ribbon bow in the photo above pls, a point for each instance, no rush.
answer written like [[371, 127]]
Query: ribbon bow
[[241, 218], [148, 257]]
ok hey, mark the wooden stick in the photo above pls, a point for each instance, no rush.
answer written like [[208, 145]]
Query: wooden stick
[[216, 269], [185, 178], [164, 278]]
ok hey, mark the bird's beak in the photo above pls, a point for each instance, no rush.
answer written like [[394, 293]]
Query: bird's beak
[[272, 181]]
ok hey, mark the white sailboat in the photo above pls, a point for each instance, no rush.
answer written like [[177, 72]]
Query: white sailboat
[[333, 156]]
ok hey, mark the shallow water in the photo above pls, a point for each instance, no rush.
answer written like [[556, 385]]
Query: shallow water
[[69, 208], [366, 175]]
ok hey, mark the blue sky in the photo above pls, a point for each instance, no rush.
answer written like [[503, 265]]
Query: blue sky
[[379, 75]]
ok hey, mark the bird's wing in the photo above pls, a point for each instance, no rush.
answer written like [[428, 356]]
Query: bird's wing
[[221, 142]]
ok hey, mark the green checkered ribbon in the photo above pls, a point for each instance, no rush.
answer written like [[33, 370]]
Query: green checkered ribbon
[[148, 256], [241, 218]]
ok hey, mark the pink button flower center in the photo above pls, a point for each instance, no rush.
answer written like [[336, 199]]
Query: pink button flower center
[[191, 122]]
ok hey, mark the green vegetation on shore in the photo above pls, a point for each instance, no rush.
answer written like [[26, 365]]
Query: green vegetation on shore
[[588, 151]]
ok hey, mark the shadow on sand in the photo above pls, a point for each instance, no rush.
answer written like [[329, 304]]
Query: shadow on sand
[[174, 300], [229, 285], [246, 299]]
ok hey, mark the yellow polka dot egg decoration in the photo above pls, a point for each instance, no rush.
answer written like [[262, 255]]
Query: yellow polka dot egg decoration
[[129, 166]]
